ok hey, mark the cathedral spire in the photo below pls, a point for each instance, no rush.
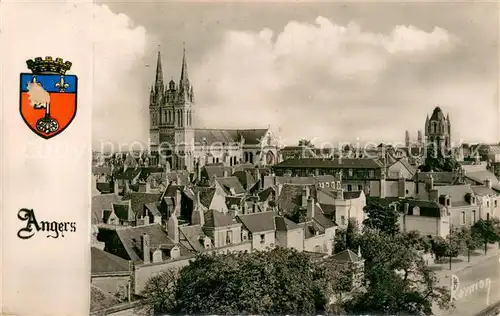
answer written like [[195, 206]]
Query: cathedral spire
[[184, 69], [159, 74]]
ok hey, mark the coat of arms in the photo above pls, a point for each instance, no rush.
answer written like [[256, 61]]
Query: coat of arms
[[48, 96]]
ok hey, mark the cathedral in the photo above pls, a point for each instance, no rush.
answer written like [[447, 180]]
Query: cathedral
[[176, 141]]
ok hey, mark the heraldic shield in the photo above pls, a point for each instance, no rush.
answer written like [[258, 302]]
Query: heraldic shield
[[48, 96]]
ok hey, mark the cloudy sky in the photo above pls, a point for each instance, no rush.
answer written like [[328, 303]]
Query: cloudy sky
[[323, 71]]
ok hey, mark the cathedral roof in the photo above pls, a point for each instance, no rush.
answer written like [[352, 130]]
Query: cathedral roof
[[437, 115], [211, 136]]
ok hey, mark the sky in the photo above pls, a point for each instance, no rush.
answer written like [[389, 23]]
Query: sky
[[322, 71]]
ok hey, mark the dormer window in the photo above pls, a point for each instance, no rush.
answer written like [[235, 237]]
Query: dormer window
[[327, 185], [338, 185], [416, 211]]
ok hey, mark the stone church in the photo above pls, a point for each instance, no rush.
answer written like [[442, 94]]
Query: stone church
[[176, 141]]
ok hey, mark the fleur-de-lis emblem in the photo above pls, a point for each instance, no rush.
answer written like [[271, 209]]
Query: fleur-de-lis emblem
[[62, 85]]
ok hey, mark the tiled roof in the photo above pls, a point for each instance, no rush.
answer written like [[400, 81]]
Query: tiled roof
[[331, 163], [457, 193], [427, 208], [481, 176], [153, 208], [123, 211], [191, 237], [346, 256], [132, 242], [284, 224], [439, 177], [407, 165], [265, 194], [140, 199], [231, 182], [103, 187], [246, 179], [322, 220], [100, 203], [128, 174], [100, 299], [328, 209], [214, 218], [206, 195], [215, 170], [211, 136], [349, 195], [104, 262], [101, 170], [258, 222], [482, 190]]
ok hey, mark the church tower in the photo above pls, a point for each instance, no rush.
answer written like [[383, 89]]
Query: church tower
[[171, 112], [438, 130]]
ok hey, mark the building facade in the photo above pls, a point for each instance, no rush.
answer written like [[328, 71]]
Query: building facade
[[175, 140]]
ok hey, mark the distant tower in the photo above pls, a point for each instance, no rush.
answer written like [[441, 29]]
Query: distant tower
[[407, 139], [438, 129], [419, 138], [171, 111]]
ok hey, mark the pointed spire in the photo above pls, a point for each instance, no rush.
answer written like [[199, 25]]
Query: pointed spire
[[359, 252], [184, 69], [159, 74]]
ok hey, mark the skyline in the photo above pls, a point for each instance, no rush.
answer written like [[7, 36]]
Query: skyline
[[330, 71]]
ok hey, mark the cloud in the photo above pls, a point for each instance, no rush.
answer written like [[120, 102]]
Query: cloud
[[321, 80], [104, 48]]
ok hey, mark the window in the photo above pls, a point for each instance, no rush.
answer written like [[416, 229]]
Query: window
[[371, 174], [229, 237], [350, 172], [473, 200], [349, 187], [462, 218], [338, 185], [487, 216], [473, 216], [327, 184], [360, 187], [262, 238], [495, 203], [342, 220], [487, 203]]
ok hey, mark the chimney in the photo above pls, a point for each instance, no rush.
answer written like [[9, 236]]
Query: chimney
[[401, 187], [173, 228], [433, 195], [305, 196], [116, 189], [431, 182], [382, 185], [145, 248], [146, 219], [487, 183], [310, 208], [406, 210], [254, 207], [178, 198], [225, 173]]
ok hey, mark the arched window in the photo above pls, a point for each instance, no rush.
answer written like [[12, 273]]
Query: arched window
[[250, 157]]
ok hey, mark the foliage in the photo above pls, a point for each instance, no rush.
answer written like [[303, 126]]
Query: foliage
[[298, 215], [455, 244], [398, 280], [487, 230], [305, 143], [436, 161], [383, 218], [273, 282], [439, 246], [340, 243], [352, 234], [158, 295], [471, 239], [418, 241]]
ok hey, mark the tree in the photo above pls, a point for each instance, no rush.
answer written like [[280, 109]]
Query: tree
[[436, 161], [158, 296], [273, 282], [352, 234], [471, 239], [305, 143], [381, 217], [439, 247], [398, 280], [488, 231], [419, 242], [340, 243]]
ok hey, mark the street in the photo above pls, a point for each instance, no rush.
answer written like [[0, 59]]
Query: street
[[479, 287]]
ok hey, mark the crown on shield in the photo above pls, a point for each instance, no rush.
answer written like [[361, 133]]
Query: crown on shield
[[48, 65]]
